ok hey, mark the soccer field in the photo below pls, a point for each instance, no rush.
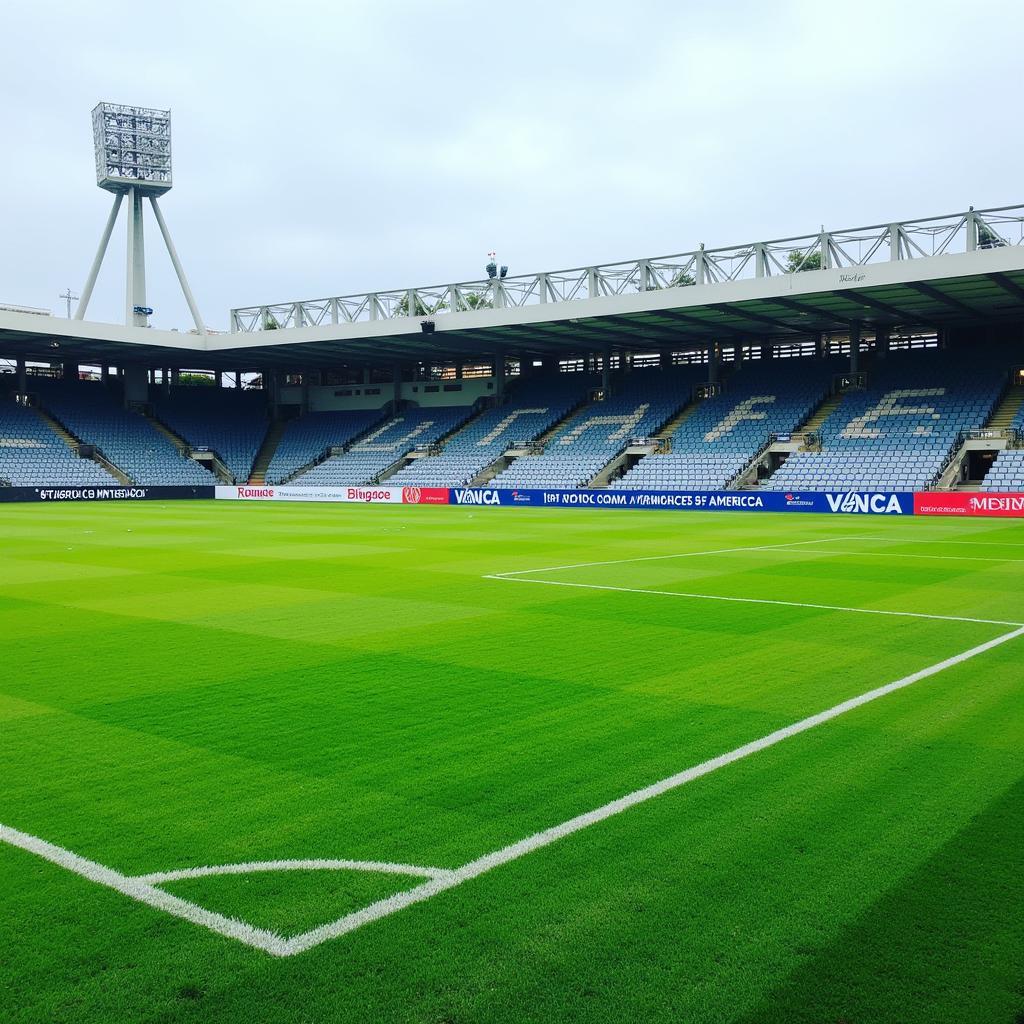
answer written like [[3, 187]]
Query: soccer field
[[317, 763]]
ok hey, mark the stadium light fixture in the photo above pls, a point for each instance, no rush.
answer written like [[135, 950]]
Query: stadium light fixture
[[133, 159]]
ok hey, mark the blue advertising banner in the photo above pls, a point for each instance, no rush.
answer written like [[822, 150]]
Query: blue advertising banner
[[856, 502]]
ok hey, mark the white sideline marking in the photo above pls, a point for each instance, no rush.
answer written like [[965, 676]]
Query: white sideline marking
[[383, 867], [755, 600], [902, 554], [276, 945], [259, 938], [684, 554]]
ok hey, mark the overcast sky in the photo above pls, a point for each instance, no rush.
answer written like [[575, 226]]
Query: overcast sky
[[325, 148]]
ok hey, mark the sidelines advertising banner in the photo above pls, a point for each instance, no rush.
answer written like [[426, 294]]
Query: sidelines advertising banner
[[128, 492], [369, 495], [858, 502], [969, 503], [889, 503]]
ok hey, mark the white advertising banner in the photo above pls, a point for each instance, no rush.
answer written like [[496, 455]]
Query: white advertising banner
[[269, 492]]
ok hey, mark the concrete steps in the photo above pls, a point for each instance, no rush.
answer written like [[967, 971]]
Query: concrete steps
[[208, 459], [260, 465], [73, 442], [822, 413], [161, 428], [679, 419], [490, 471], [1005, 413], [58, 428]]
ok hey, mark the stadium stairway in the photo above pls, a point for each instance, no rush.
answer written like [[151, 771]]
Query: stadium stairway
[[599, 434], [260, 465], [378, 453], [726, 432], [1009, 409], [73, 442], [507, 458], [901, 431], [1001, 428], [413, 457], [804, 439], [670, 428], [1007, 470], [822, 413], [214, 462]]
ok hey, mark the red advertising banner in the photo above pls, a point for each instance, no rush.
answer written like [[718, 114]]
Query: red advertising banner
[[425, 495], [968, 503]]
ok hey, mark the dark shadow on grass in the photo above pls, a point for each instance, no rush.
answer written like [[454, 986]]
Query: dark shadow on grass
[[946, 945]]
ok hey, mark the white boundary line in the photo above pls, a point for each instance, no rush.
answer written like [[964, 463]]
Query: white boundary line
[[755, 600], [258, 938], [684, 554], [904, 554], [276, 945]]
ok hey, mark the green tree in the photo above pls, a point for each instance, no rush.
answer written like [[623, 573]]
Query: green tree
[[987, 238], [683, 279], [402, 307], [196, 378], [474, 300], [270, 323], [798, 261]]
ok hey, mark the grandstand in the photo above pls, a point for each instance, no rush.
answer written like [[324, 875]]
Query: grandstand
[[534, 408], [31, 453], [225, 421], [899, 432], [309, 439], [869, 370], [91, 413], [646, 401], [895, 425], [379, 450], [726, 431]]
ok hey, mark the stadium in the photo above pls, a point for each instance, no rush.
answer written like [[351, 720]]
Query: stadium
[[634, 641]]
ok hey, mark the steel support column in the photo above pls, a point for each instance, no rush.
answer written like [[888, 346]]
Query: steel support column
[[175, 262], [135, 283], [83, 302]]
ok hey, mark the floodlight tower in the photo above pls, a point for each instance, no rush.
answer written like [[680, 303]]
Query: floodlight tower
[[133, 159]]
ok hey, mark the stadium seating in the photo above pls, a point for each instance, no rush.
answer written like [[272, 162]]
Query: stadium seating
[[645, 401], [92, 412], [721, 436], [230, 422], [31, 454], [308, 437], [380, 448], [898, 433], [1006, 473], [535, 406]]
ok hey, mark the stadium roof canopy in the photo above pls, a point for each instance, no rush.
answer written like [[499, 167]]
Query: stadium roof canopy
[[647, 305]]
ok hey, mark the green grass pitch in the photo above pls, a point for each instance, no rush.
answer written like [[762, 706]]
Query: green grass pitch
[[205, 684]]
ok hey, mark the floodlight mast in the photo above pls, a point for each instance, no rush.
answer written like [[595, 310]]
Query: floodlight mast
[[133, 159]]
